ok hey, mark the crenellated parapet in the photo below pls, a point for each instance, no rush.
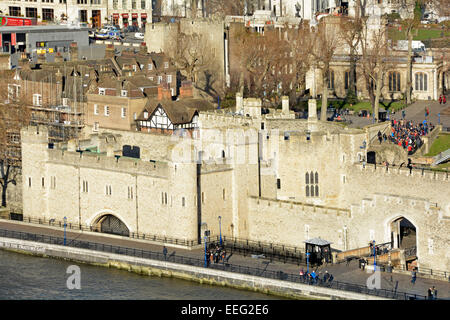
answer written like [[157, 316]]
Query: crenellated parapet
[[103, 162]]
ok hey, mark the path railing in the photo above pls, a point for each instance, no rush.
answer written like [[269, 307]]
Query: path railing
[[279, 275], [133, 235], [271, 251]]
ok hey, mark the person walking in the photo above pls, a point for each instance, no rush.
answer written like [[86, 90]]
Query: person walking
[[165, 253], [429, 294], [444, 101], [440, 99], [434, 292], [413, 276]]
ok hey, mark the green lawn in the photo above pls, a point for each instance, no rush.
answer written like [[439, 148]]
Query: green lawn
[[422, 34], [441, 143], [364, 105]]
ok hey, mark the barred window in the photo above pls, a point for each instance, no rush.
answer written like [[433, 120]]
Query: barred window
[[421, 82], [394, 81], [312, 184]]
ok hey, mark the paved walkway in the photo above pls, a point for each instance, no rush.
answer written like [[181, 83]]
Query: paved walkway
[[342, 272], [414, 112]]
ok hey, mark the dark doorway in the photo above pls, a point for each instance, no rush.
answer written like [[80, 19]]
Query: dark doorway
[[113, 225], [371, 157], [131, 151]]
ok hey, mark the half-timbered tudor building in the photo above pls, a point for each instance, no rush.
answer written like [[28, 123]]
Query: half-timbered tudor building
[[168, 116]]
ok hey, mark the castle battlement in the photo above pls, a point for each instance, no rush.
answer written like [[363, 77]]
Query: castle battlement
[[303, 207], [421, 174], [104, 162]]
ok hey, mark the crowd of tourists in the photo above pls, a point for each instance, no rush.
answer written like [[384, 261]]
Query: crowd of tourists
[[316, 278], [408, 135], [215, 254]]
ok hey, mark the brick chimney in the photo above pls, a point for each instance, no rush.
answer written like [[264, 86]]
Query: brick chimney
[[143, 48], [73, 51], [186, 90], [41, 59], [59, 57], [164, 92], [109, 51]]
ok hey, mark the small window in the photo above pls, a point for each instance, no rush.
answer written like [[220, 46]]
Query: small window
[[160, 79], [95, 109], [95, 127], [101, 91], [169, 78], [203, 197], [166, 65], [183, 201], [124, 93], [150, 67], [124, 112], [134, 115], [107, 111], [165, 198], [278, 184], [37, 99], [29, 182], [223, 194], [43, 182]]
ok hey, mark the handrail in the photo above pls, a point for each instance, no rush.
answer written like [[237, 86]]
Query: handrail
[[280, 275]]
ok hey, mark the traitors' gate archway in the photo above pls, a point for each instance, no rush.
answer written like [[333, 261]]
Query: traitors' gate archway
[[111, 224], [404, 236]]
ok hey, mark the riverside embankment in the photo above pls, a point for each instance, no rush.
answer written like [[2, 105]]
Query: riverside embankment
[[151, 267]]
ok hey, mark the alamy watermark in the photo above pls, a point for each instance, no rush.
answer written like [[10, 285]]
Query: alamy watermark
[[374, 281], [74, 280]]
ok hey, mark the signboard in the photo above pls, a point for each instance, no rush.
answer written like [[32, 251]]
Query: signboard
[[125, 15], [14, 22], [13, 39], [115, 15], [1, 40], [134, 15], [143, 15]]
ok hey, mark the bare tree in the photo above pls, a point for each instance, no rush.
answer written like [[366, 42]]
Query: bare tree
[[14, 114], [350, 32], [191, 53], [326, 41], [412, 10], [376, 60], [299, 47]]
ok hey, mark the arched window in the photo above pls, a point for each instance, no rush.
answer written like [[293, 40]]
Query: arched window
[[312, 184], [394, 81], [331, 80], [421, 81]]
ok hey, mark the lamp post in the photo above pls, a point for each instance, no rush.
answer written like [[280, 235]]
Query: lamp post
[[220, 230], [65, 224], [374, 257], [307, 262], [206, 247]]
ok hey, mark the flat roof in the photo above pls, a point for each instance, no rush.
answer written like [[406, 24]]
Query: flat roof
[[37, 29]]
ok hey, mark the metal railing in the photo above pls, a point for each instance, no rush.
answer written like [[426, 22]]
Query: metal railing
[[428, 271], [277, 252], [279, 275], [133, 235]]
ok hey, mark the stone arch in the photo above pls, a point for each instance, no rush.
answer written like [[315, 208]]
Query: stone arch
[[403, 231], [108, 216]]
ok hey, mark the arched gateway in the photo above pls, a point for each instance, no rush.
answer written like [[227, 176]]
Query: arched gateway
[[111, 224], [404, 236]]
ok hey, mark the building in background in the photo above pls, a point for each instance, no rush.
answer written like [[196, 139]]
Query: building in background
[[92, 13]]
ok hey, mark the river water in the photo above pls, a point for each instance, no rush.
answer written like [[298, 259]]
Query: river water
[[29, 277]]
